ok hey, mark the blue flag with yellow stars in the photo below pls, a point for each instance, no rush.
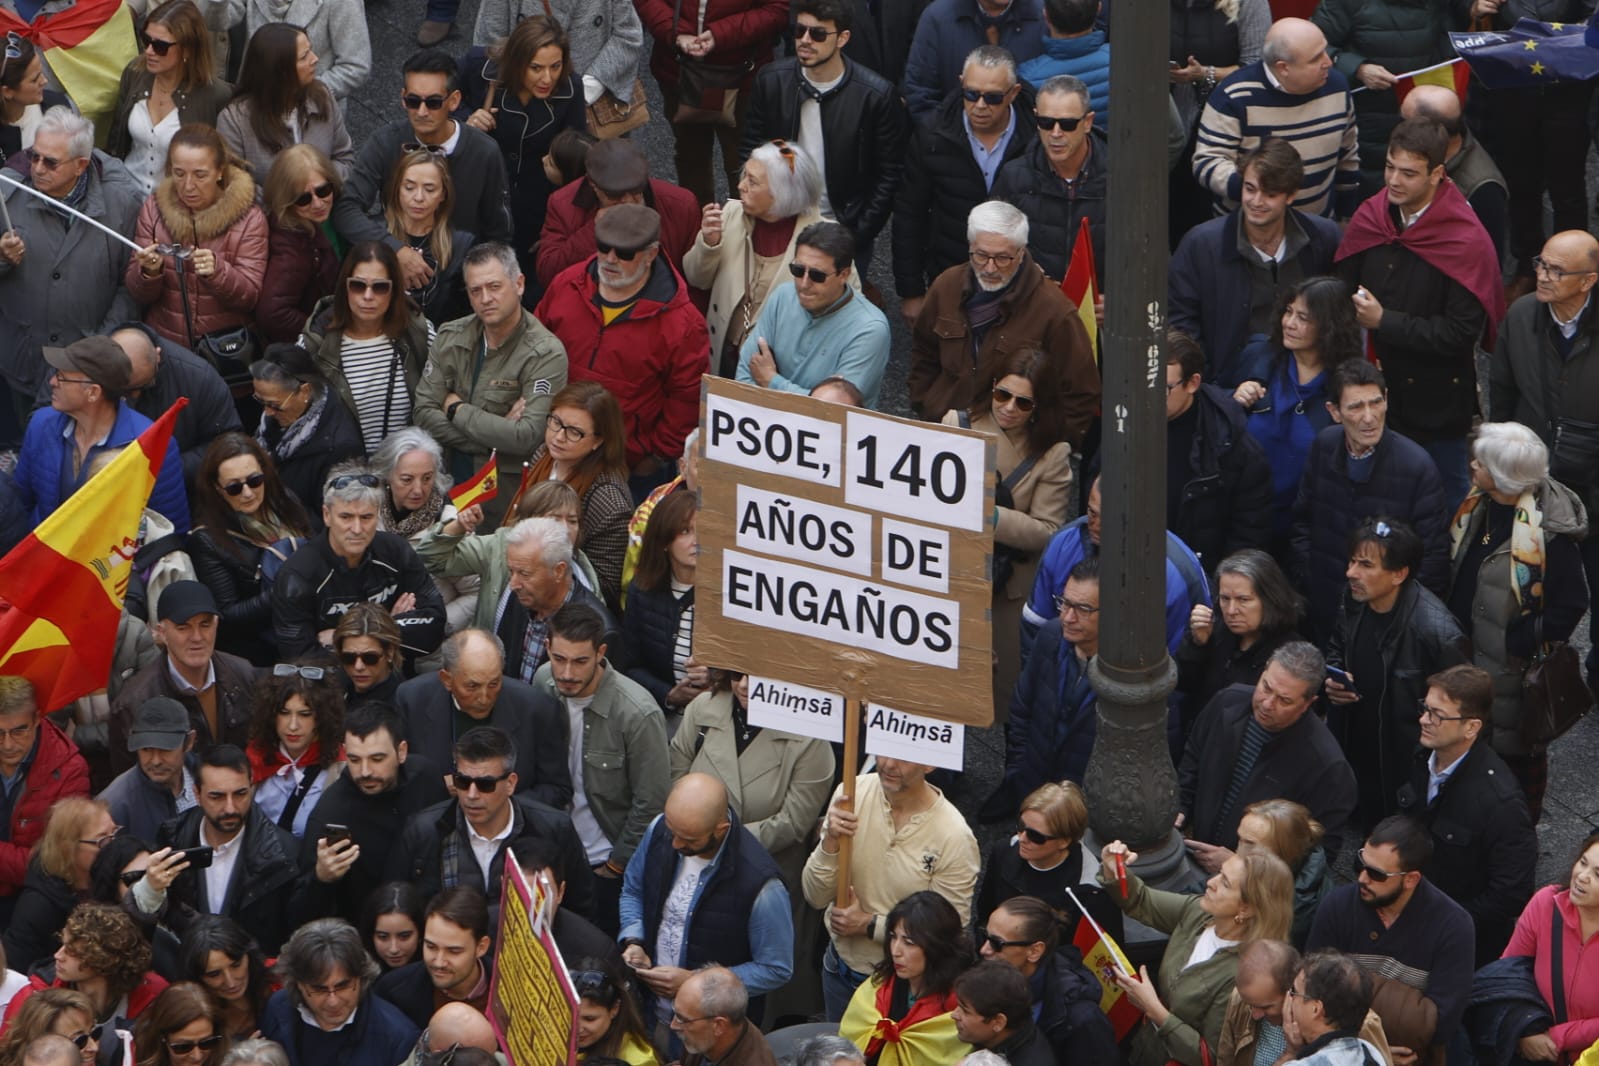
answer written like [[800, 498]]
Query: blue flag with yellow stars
[[1532, 53]]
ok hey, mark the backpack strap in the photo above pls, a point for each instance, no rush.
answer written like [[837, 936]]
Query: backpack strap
[[1557, 969]]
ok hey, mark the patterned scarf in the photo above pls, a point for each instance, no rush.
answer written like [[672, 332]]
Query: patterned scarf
[[1526, 545], [293, 437], [413, 522]]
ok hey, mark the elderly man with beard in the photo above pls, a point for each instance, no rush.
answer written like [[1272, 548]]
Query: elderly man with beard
[[997, 301]]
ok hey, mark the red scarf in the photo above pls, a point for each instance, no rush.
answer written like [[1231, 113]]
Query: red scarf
[[263, 764], [1448, 237], [888, 1030]]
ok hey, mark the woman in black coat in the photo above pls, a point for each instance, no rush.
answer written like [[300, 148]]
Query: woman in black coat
[[304, 426], [659, 621], [1259, 613], [241, 510]]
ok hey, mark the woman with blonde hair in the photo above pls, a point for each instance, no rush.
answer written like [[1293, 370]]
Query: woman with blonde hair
[[368, 643], [1286, 829], [57, 878], [418, 204], [1185, 1003], [53, 1012], [302, 257]]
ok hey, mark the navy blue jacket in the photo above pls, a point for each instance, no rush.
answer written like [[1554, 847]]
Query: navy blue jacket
[[379, 1036], [650, 628], [1226, 501], [1050, 734], [947, 32]]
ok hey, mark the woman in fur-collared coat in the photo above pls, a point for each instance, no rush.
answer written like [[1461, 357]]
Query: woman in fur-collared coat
[[206, 205]]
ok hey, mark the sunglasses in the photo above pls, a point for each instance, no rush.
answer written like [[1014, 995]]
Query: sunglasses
[[816, 276], [81, 1040], [380, 286], [156, 45], [370, 658], [815, 33], [48, 162], [321, 192], [1049, 122], [417, 146], [13, 50], [129, 878], [254, 481], [344, 481], [485, 785], [999, 943], [1024, 404], [1022, 829], [413, 102], [184, 1047], [310, 673], [1379, 876], [626, 255], [992, 99]]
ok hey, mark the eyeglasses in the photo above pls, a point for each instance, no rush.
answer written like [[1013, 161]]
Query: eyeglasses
[[156, 44], [254, 481], [992, 99], [328, 990], [1048, 122], [816, 275], [1435, 716], [321, 192], [370, 658], [999, 943], [344, 481], [377, 286], [184, 1047], [485, 785], [1379, 876], [626, 255], [1550, 271], [815, 33], [1082, 610], [310, 673], [1037, 837], [104, 841], [130, 878], [48, 162], [1024, 404], [982, 259], [570, 434], [271, 405], [81, 1040], [417, 146], [413, 102], [681, 1020]]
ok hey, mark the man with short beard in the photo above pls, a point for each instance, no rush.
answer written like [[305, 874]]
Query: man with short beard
[[711, 1017], [385, 783]]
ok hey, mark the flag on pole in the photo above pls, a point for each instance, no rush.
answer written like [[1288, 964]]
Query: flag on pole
[[61, 589], [480, 487], [85, 46], [1453, 75], [1531, 53], [1081, 284], [1105, 959], [521, 490]]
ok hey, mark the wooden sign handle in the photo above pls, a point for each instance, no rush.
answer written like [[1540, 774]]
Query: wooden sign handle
[[852, 747]]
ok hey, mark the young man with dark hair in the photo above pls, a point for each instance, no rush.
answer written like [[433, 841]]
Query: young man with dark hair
[[453, 967], [1329, 1000], [1023, 932], [1468, 164], [1396, 633], [993, 1011]]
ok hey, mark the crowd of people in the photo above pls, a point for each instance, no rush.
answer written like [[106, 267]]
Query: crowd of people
[[340, 705]]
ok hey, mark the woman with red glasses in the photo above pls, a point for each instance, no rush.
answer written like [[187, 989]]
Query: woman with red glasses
[[302, 256]]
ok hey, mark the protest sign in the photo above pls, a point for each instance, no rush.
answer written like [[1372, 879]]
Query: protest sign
[[532, 1004]]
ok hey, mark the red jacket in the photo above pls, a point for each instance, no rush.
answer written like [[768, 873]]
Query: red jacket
[[150, 985], [58, 770], [744, 32], [568, 236], [651, 359]]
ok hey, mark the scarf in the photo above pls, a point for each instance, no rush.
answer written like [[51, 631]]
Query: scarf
[[1526, 545], [412, 522], [925, 1035], [265, 764], [1448, 238], [296, 435], [264, 527]]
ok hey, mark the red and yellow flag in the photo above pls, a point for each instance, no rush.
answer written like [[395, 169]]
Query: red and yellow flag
[[1104, 957], [483, 485], [86, 46], [1081, 284], [1453, 75], [61, 589]]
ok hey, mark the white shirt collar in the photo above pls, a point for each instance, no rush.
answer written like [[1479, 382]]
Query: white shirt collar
[[310, 1019], [182, 682]]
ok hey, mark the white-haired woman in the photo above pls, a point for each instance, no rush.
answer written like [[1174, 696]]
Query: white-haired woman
[[256, 1052], [744, 244], [1517, 577], [411, 464]]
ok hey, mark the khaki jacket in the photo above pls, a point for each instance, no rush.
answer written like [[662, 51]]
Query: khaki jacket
[[1237, 1044]]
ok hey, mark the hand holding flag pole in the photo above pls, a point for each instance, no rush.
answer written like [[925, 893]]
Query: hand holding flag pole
[[59, 206]]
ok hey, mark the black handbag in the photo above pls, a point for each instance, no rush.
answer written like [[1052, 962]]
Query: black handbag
[[229, 351], [1574, 460], [1554, 695], [707, 93]]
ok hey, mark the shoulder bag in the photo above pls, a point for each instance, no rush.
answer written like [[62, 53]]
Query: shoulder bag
[[608, 116], [1554, 695], [230, 351], [707, 93]]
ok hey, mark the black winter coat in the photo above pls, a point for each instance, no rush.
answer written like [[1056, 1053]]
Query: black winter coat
[[1484, 847], [1226, 502], [942, 184], [1404, 484], [409, 989], [864, 127], [336, 438], [263, 878], [649, 627], [34, 932], [231, 569], [1205, 669], [1070, 1018], [315, 588], [1053, 211]]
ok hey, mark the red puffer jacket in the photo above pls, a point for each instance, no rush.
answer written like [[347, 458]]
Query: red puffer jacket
[[234, 228], [650, 359], [744, 32], [58, 770]]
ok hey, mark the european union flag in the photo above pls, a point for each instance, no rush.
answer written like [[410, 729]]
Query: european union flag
[[1532, 53]]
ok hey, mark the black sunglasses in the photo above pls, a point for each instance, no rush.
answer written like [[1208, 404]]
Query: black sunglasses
[[626, 255], [183, 1047], [81, 1041], [485, 785], [1371, 871], [815, 33], [254, 481], [1049, 122], [1024, 404], [417, 146], [413, 102], [992, 99], [344, 481], [381, 286], [1033, 834], [310, 673], [321, 192], [999, 943], [816, 276], [155, 44], [370, 658]]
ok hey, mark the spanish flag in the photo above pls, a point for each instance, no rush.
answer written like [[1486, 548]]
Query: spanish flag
[[61, 589], [509, 518], [85, 46], [1081, 283], [1453, 75], [483, 485], [1105, 959]]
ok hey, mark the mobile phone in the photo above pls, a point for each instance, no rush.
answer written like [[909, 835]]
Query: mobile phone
[[198, 858], [1340, 676], [336, 833]]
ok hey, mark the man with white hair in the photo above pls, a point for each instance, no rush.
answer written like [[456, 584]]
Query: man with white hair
[[538, 557], [1001, 301], [61, 279]]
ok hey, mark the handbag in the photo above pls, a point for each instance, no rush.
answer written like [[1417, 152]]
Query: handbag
[[610, 117], [707, 93], [1574, 460], [230, 351], [1554, 695]]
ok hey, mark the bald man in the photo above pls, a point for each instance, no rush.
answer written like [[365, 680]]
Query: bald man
[[700, 888], [50, 1050], [1545, 375], [1294, 93], [1252, 1030], [1468, 164], [455, 1024], [163, 371]]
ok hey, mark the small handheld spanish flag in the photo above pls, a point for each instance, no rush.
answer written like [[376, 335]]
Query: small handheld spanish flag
[[1105, 960], [482, 486]]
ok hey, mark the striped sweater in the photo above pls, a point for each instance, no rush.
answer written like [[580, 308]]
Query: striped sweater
[[1247, 107]]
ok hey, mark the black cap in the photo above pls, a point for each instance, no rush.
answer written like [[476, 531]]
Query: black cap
[[159, 722], [182, 600]]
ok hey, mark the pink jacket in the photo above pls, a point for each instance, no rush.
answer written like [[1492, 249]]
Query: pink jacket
[[1581, 968], [234, 228]]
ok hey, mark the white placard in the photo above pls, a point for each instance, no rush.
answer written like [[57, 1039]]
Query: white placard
[[769, 441], [806, 531], [923, 473], [802, 600], [806, 712], [897, 735], [915, 555]]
